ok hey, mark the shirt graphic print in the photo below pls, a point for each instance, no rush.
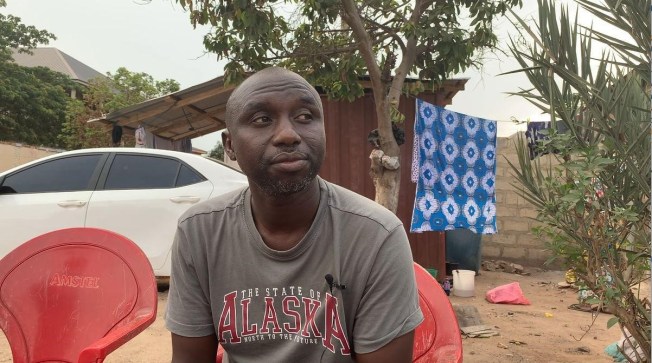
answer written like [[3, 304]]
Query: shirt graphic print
[[292, 314]]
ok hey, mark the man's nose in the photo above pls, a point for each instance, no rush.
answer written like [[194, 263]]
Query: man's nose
[[285, 133]]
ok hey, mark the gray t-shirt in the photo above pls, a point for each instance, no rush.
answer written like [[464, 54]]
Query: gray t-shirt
[[276, 306]]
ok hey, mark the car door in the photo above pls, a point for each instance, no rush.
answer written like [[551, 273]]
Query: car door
[[142, 196], [46, 196]]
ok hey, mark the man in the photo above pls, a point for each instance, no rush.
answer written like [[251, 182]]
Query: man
[[292, 268]]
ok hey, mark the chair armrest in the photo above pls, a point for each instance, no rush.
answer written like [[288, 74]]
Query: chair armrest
[[96, 352]]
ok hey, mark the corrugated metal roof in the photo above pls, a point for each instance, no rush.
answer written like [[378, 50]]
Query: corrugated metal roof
[[58, 61], [188, 113], [199, 110]]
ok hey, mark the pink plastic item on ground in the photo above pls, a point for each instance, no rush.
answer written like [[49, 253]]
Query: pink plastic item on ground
[[507, 294]]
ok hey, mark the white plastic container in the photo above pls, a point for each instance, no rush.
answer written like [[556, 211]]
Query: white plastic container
[[463, 283]]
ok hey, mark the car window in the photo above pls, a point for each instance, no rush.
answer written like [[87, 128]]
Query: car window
[[188, 176], [141, 172], [60, 175]]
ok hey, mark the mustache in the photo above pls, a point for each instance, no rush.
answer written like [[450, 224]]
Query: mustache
[[284, 156]]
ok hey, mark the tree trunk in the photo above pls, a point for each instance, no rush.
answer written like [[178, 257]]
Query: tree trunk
[[387, 183], [385, 162]]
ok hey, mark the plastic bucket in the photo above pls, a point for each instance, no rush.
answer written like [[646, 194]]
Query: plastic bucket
[[463, 283]]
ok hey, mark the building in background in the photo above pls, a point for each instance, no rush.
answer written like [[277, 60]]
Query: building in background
[[58, 61]]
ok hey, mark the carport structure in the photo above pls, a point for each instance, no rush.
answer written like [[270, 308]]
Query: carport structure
[[188, 113]]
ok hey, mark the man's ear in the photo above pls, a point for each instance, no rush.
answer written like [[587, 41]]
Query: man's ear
[[226, 142]]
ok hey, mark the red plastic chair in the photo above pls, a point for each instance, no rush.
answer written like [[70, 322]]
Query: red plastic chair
[[437, 339], [74, 295]]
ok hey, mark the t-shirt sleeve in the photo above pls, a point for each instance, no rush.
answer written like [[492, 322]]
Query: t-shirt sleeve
[[188, 311], [389, 307]]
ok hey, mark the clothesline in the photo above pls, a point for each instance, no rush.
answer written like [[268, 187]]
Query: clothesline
[[519, 122], [515, 122]]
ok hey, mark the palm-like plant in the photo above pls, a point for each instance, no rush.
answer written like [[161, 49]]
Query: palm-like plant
[[593, 194]]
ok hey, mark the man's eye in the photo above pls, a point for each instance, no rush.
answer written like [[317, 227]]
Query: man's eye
[[304, 117], [261, 120]]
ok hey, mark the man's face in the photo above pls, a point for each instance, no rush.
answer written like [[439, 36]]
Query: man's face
[[276, 132]]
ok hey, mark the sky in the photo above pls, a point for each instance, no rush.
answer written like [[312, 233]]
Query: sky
[[157, 38]]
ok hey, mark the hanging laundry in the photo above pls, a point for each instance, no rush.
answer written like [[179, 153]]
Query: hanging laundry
[[139, 134], [454, 166], [534, 136], [116, 135]]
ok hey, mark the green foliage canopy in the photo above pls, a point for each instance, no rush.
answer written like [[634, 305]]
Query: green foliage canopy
[[107, 94], [32, 100], [125, 88], [217, 152], [16, 35], [316, 38], [33, 104]]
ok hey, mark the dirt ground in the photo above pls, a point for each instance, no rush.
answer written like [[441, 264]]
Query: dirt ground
[[545, 331]]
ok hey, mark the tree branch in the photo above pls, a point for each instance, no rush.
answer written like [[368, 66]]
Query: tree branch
[[409, 55], [389, 34], [335, 51], [352, 18]]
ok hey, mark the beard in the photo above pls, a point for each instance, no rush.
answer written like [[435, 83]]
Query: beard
[[276, 187]]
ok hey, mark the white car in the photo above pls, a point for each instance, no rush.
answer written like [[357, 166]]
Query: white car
[[137, 192]]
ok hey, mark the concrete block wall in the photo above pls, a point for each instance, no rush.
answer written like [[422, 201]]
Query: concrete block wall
[[13, 154], [515, 216]]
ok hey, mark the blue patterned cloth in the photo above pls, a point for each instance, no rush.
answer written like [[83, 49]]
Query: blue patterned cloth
[[454, 166]]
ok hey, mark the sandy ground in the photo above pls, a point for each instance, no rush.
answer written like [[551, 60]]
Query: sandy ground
[[526, 333], [545, 331]]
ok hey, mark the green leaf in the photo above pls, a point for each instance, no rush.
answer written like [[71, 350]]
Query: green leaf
[[613, 321]]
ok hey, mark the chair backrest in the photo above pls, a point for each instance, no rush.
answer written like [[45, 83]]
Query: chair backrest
[[74, 295], [437, 338]]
